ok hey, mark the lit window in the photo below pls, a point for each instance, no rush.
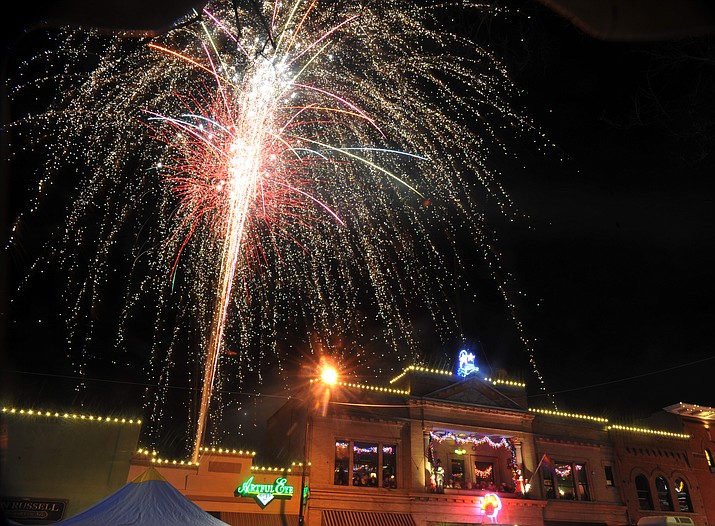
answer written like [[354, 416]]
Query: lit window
[[664, 498], [566, 480], [610, 480], [709, 458], [389, 466], [645, 499], [484, 474], [681, 493], [342, 462], [371, 464], [365, 464], [457, 473]]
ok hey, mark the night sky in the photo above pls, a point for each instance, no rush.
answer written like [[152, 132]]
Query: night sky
[[613, 247], [618, 263]]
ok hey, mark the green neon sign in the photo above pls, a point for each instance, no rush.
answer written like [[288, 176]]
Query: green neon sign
[[265, 493]]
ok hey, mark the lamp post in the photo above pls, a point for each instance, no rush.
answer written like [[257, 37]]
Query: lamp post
[[328, 377]]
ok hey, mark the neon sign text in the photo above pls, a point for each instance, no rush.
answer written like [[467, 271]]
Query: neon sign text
[[265, 493]]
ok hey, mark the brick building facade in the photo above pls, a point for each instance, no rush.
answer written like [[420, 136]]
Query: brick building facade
[[429, 448]]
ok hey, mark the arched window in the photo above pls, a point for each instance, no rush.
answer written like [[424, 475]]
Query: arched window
[[664, 498], [709, 458], [645, 500], [681, 493]]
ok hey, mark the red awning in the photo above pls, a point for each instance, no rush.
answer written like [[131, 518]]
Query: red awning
[[258, 519], [365, 518]]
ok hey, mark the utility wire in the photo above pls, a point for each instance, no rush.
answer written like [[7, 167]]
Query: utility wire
[[610, 382]]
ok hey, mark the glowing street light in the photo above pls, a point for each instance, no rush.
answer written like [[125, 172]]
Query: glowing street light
[[329, 375]]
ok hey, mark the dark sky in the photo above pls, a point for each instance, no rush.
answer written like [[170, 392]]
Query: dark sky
[[616, 257], [621, 250]]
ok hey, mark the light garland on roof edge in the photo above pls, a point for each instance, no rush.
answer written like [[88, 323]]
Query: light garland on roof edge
[[69, 416]]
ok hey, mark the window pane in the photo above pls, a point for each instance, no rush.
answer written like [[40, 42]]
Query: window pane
[[547, 473], [645, 501], [457, 473], [581, 482], [484, 475], [610, 481], [342, 459], [564, 481], [681, 493], [364, 464], [661, 486], [389, 466]]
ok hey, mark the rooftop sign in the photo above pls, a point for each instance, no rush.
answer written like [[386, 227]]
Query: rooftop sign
[[466, 364]]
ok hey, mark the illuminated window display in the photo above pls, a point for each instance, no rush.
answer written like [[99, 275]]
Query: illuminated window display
[[456, 477], [342, 462], [566, 480], [370, 464], [484, 474]]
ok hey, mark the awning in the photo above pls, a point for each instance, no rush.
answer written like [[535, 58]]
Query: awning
[[258, 519], [365, 518]]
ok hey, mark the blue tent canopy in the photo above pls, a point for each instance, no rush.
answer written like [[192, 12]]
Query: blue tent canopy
[[148, 500]]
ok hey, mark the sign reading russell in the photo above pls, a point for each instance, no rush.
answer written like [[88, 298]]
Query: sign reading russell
[[25, 508], [265, 493]]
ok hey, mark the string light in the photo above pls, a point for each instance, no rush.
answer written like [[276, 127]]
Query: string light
[[421, 369], [226, 451], [471, 439], [374, 388], [483, 474], [206, 450], [441, 372], [274, 469], [71, 416], [648, 431], [569, 415], [156, 459], [502, 381]]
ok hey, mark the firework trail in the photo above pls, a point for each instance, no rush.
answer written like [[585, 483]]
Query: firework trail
[[309, 168]]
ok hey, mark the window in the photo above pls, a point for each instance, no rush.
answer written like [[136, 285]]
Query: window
[[365, 464], [342, 462], [709, 458], [645, 500], [389, 466], [456, 474], [581, 482], [664, 498], [610, 481], [682, 495], [566, 480], [484, 475], [370, 464]]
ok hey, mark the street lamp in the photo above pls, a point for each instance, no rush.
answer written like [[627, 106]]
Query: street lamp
[[328, 377], [328, 374]]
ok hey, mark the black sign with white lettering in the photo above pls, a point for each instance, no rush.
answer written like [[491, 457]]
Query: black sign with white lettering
[[33, 509]]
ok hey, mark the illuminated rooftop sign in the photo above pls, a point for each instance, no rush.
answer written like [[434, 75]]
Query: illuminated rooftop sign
[[265, 493], [466, 364]]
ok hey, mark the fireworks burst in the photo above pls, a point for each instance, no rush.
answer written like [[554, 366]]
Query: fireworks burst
[[309, 168]]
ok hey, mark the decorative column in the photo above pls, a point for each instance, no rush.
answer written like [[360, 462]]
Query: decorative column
[[519, 458]]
